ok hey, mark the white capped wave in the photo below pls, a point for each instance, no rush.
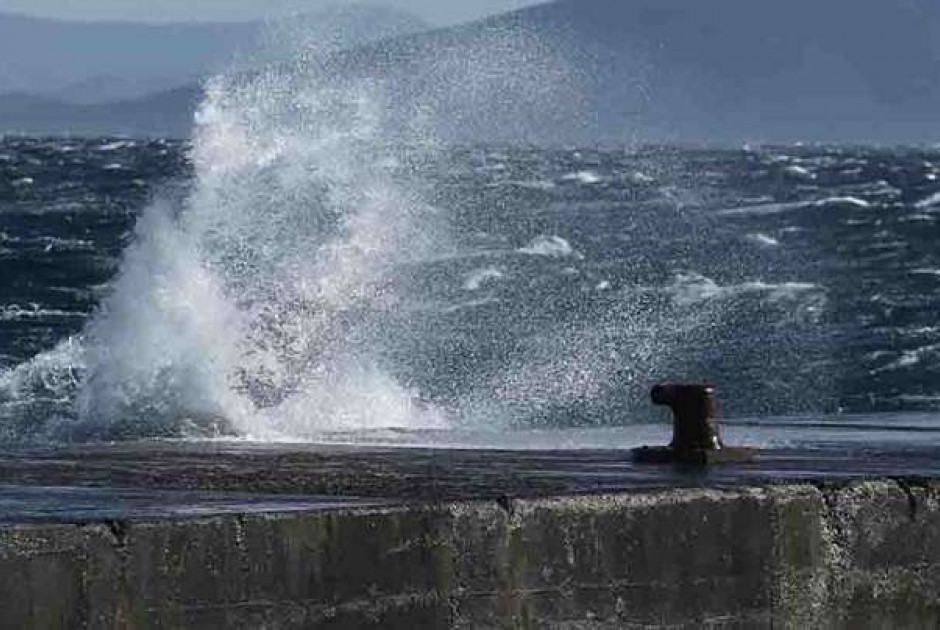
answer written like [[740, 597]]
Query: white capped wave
[[534, 184], [16, 312], [261, 303], [779, 208], [763, 209], [928, 202], [691, 288], [640, 178], [583, 177], [763, 239], [116, 145], [842, 201], [799, 172], [52, 378], [478, 277], [48, 243], [272, 300], [910, 358], [881, 188], [550, 246], [463, 306]]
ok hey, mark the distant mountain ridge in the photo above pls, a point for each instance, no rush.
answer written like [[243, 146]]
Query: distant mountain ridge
[[698, 71], [167, 114], [85, 63]]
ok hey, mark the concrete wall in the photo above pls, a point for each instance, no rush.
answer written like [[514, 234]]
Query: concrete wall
[[865, 555]]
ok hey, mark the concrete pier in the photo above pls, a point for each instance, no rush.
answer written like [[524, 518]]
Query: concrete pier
[[532, 540]]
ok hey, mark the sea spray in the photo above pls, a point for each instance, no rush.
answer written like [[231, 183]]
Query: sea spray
[[258, 306], [325, 272], [265, 303]]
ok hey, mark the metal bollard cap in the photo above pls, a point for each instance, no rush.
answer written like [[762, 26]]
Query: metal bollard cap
[[695, 415]]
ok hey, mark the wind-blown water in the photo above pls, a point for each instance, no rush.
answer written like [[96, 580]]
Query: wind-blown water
[[298, 272]]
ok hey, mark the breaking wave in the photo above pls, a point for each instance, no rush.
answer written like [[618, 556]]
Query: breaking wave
[[309, 281], [693, 288], [270, 300], [550, 246]]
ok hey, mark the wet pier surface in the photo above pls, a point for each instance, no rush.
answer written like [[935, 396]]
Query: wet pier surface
[[178, 479], [215, 534], [71, 504]]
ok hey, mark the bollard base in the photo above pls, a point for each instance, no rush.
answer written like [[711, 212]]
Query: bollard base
[[701, 457]]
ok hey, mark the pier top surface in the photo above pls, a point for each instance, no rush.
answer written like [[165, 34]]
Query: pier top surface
[[171, 479]]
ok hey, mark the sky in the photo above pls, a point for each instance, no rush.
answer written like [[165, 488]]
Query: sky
[[437, 12]]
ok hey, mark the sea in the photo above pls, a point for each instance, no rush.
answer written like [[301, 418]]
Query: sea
[[300, 277]]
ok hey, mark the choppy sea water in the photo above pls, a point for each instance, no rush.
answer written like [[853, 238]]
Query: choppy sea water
[[154, 289]]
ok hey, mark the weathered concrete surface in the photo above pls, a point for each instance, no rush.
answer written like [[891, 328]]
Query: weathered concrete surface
[[425, 474], [862, 554]]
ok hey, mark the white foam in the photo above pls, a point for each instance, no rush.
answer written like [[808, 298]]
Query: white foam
[[116, 145], [478, 277], [762, 209], [49, 243], [691, 288], [763, 239], [534, 184], [640, 178], [586, 178], [928, 202], [15, 312], [550, 246], [50, 377], [910, 358], [469, 304], [264, 300], [779, 208], [799, 172], [842, 201]]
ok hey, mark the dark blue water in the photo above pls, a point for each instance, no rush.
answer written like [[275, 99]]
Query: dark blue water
[[798, 279]]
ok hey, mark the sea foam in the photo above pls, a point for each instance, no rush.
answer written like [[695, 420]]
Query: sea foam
[[550, 246]]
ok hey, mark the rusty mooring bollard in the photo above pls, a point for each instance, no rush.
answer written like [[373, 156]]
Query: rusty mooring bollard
[[696, 438]]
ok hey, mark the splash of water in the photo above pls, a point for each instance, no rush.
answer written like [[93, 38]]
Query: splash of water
[[277, 298], [261, 301], [260, 304]]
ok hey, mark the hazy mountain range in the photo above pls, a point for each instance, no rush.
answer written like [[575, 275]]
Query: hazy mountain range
[[87, 63], [716, 71]]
